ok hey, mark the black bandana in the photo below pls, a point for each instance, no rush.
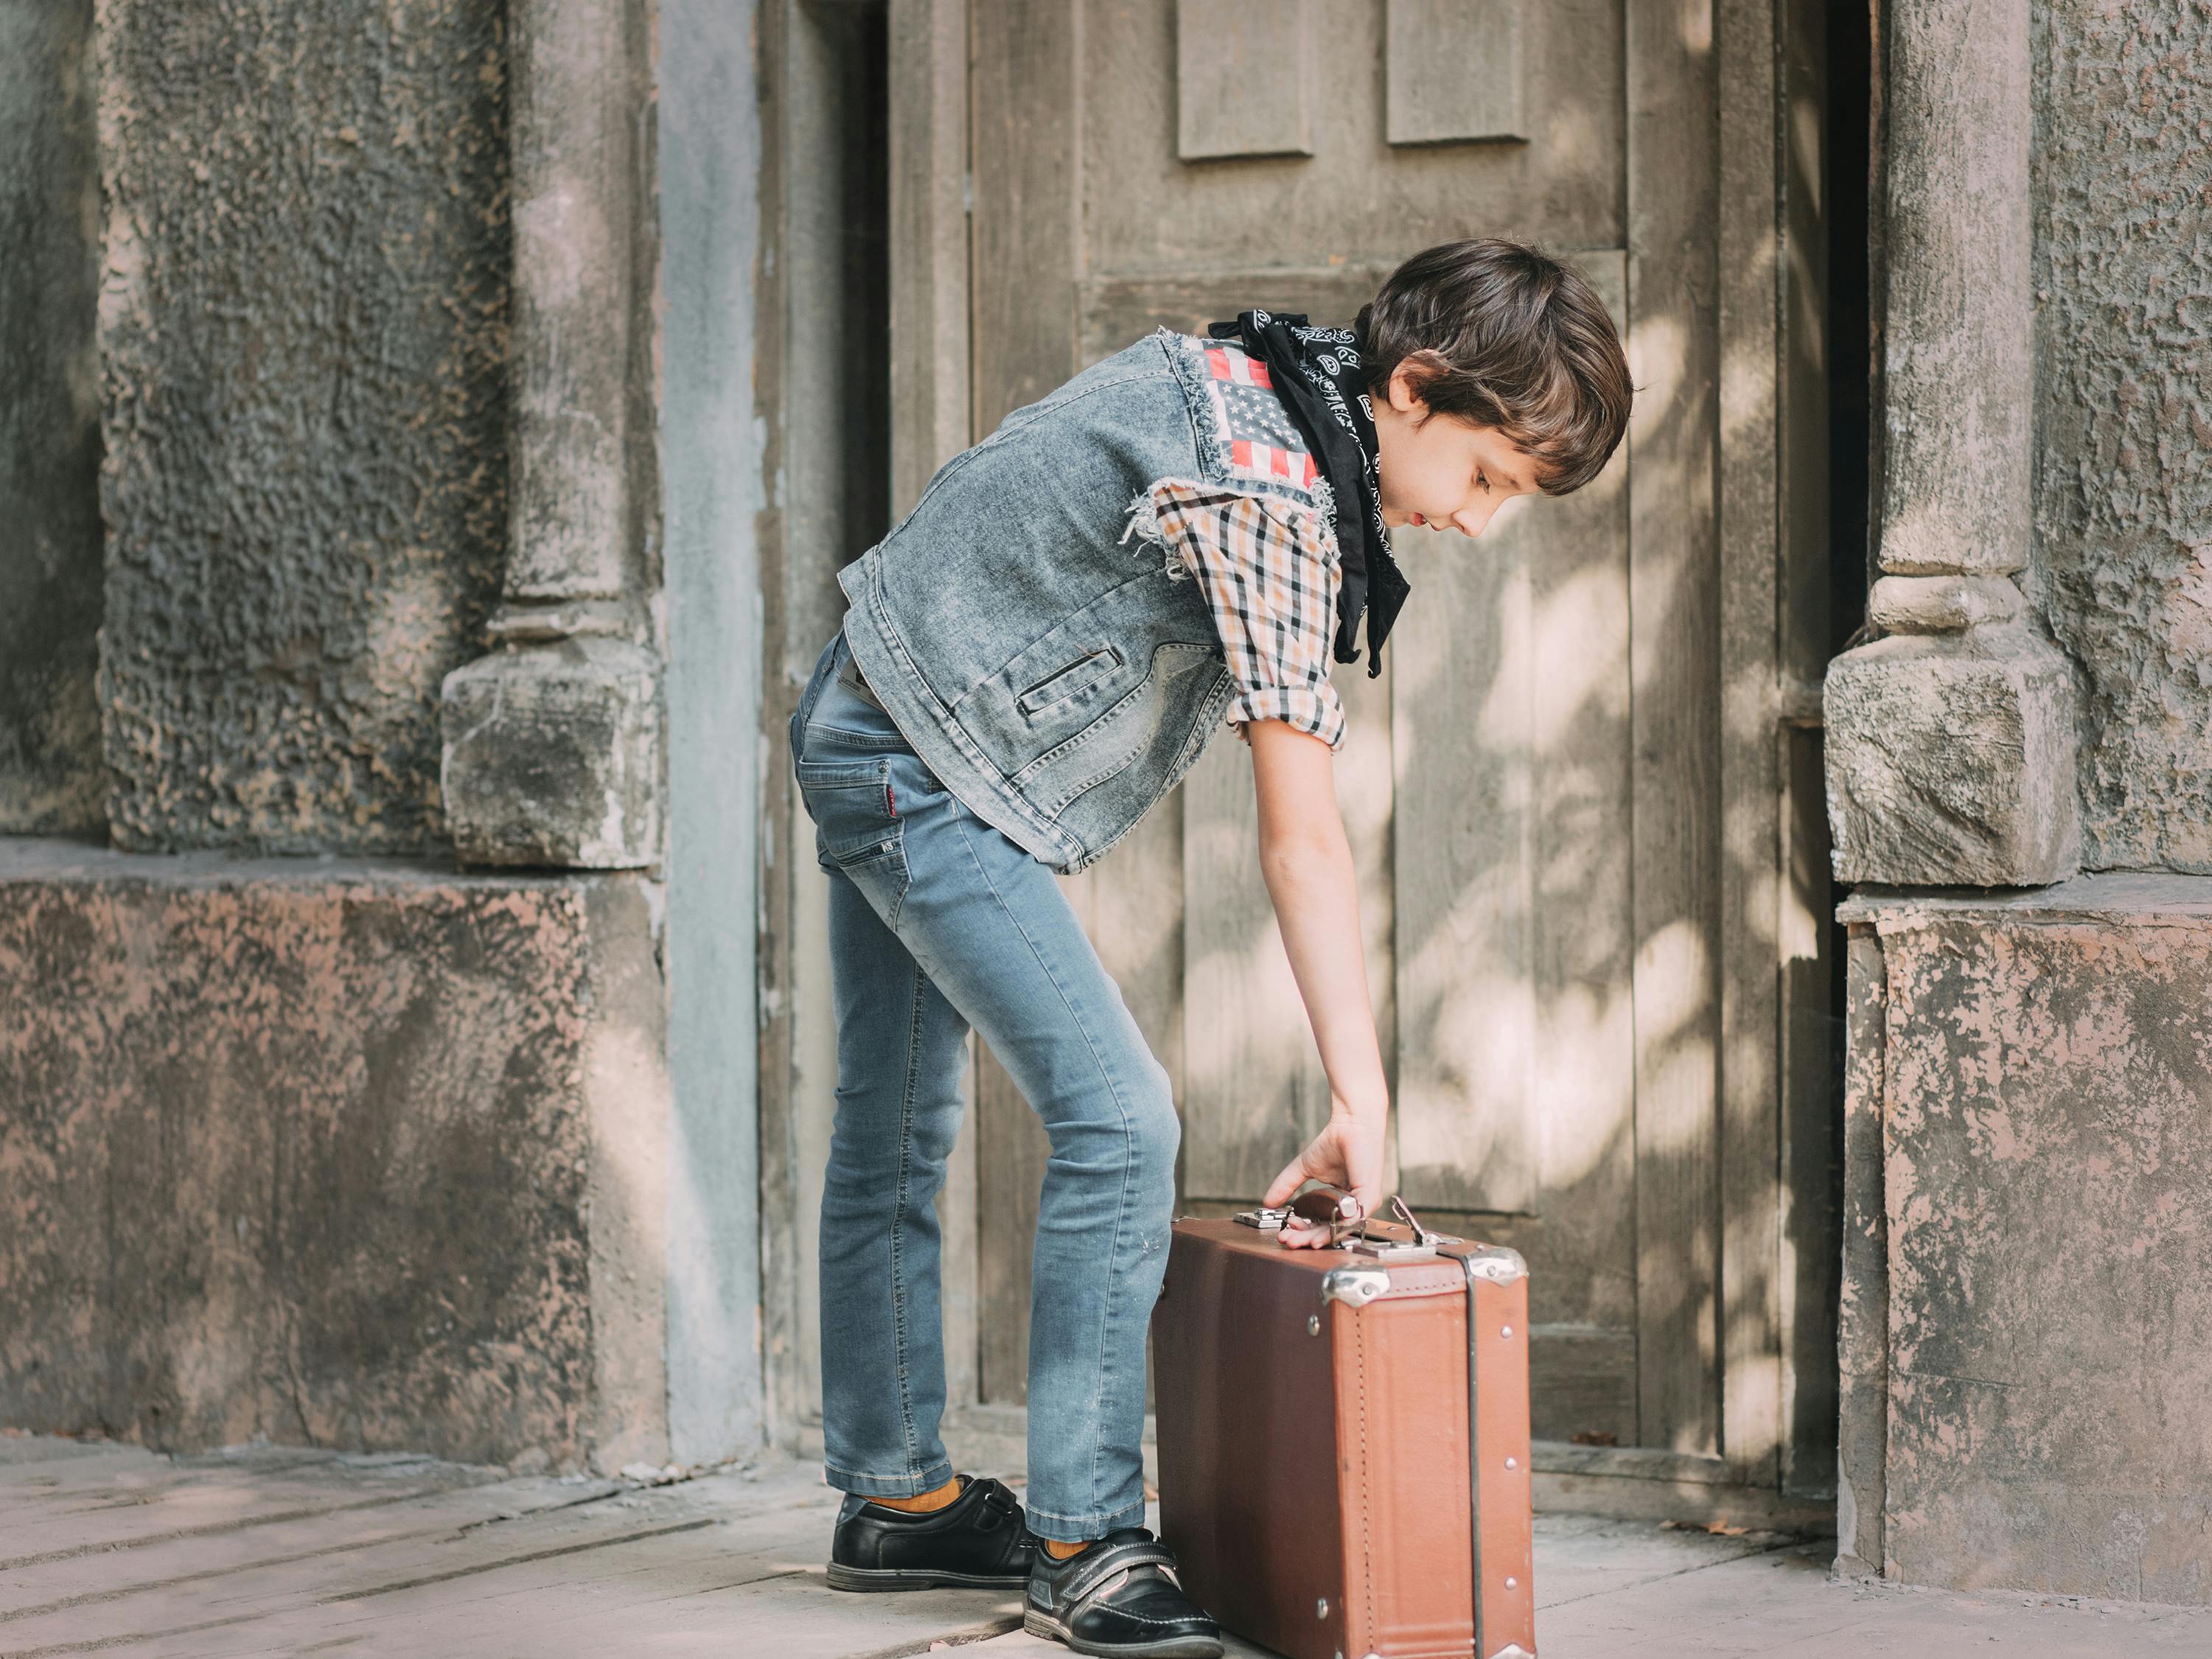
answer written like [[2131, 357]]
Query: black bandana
[[1317, 375]]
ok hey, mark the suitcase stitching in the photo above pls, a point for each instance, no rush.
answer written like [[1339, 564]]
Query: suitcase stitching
[[1366, 1481]]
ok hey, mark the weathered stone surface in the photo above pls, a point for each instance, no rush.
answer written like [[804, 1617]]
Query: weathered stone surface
[[2046, 1092], [2123, 492], [1950, 760], [582, 387], [1940, 604], [346, 1154], [553, 755], [303, 334], [50, 780], [1862, 1320], [1958, 371]]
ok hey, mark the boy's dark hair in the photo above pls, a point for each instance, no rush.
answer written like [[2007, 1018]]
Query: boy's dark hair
[[1505, 336]]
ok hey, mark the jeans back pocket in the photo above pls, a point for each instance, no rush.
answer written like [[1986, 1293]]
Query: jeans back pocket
[[854, 806]]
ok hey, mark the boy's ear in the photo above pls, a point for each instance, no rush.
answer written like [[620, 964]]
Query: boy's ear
[[1410, 379]]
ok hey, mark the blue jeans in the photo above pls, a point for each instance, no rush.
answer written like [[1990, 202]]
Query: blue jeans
[[938, 921]]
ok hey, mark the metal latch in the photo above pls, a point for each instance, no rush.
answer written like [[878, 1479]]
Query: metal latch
[[1381, 1239], [1350, 1227], [1319, 1206]]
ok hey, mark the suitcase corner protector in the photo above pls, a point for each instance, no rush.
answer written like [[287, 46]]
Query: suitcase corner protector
[[1501, 1266], [1358, 1285]]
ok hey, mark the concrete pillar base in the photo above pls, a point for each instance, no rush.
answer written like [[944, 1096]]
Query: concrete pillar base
[[358, 1154], [2026, 1325], [552, 755], [1950, 760]]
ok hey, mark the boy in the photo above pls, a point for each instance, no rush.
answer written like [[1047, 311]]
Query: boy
[[1186, 532]]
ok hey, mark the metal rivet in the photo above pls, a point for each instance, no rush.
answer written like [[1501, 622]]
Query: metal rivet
[[1513, 1583], [1512, 1463], [1321, 1608], [1507, 1332], [1313, 1324]]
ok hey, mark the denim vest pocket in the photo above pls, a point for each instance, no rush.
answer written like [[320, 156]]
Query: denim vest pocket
[[1110, 743], [1079, 676], [1059, 683]]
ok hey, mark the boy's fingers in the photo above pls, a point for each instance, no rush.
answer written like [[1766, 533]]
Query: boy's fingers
[[1293, 1177]]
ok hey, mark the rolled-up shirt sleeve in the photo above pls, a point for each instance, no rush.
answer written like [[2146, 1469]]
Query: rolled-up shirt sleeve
[[1268, 570]]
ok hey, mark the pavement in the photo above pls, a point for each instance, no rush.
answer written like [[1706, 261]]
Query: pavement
[[265, 1550]]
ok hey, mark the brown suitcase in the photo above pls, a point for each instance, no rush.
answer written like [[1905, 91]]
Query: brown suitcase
[[1331, 1484]]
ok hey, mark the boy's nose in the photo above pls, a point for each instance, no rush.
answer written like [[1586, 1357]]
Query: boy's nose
[[1471, 521]]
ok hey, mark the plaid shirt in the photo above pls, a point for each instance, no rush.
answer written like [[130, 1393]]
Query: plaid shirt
[[1267, 567], [1268, 571]]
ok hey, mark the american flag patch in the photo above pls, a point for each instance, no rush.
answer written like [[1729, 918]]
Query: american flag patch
[[1265, 461], [1232, 364], [1255, 431]]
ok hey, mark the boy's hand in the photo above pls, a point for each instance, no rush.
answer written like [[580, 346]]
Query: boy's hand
[[1346, 1154]]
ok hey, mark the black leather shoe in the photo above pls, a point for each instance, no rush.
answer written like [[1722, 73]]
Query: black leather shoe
[[1119, 1599], [977, 1542]]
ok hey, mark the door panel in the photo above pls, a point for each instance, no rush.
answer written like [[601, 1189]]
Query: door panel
[[1147, 211]]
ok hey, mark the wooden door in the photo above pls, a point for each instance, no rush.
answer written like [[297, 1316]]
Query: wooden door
[[1536, 787]]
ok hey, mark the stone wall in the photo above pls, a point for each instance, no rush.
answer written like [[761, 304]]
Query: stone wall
[[2123, 497], [345, 1154], [2026, 1322], [303, 326], [50, 553]]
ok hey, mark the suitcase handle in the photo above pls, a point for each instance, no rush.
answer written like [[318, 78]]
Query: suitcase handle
[[1328, 1206], [1349, 1225]]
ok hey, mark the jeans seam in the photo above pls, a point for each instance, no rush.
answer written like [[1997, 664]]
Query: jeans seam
[[899, 1209], [1114, 1088], [905, 886]]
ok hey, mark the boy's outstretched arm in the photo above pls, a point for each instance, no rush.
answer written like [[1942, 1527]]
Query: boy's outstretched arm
[[1311, 881]]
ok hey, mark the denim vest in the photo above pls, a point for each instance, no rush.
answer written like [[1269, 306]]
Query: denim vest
[[1045, 655]]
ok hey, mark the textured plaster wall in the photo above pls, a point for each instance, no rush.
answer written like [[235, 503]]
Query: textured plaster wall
[[50, 552], [709, 144], [2038, 1302], [2123, 498], [355, 1155], [302, 320]]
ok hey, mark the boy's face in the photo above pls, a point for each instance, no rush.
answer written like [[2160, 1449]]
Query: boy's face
[[1443, 471]]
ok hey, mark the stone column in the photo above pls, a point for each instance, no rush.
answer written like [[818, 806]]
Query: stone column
[[552, 741], [1951, 742]]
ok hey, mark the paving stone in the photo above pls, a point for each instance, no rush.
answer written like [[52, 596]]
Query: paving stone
[[462, 1562]]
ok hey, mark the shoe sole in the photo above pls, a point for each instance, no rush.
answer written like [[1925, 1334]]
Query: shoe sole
[[1175, 1647], [917, 1579]]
